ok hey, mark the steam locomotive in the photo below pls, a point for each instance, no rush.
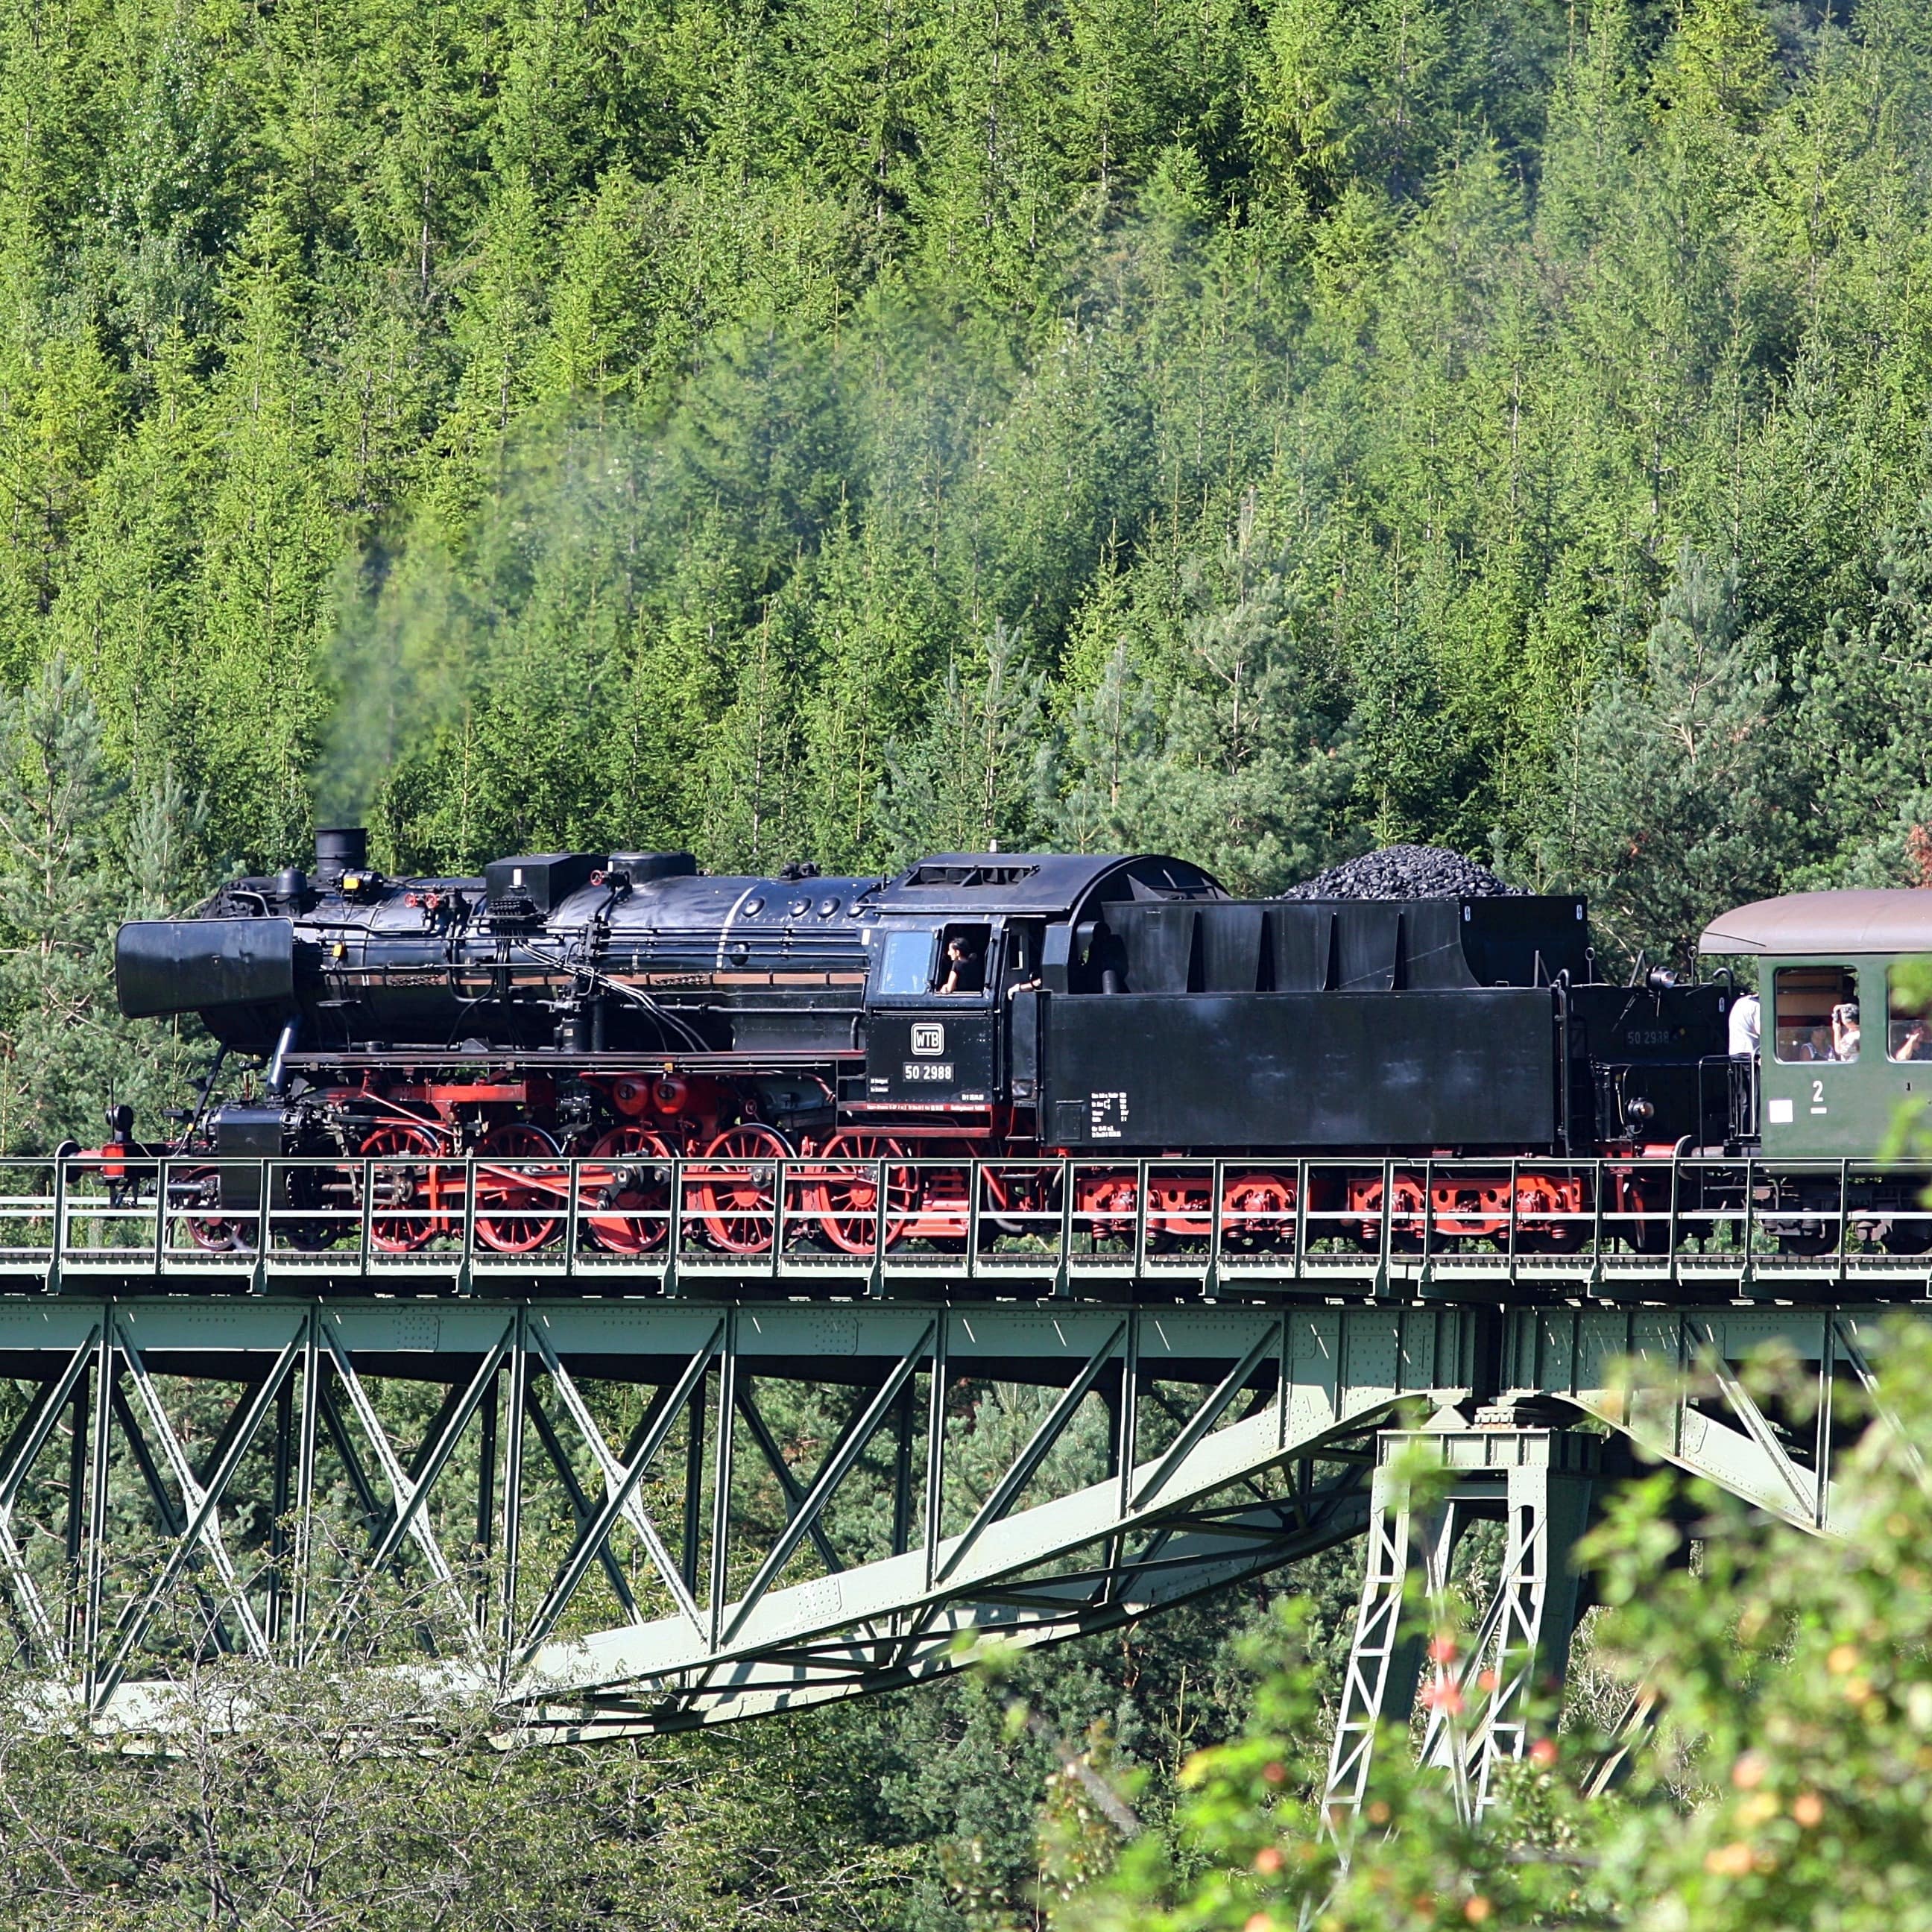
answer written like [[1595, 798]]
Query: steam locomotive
[[625, 1008]]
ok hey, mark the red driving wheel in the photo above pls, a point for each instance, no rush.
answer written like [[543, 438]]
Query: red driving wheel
[[844, 1193], [509, 1200], [406, 1178], [634, 1195], [736, 1190]]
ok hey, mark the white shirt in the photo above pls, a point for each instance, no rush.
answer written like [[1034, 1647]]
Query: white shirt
[[1745, 1022]]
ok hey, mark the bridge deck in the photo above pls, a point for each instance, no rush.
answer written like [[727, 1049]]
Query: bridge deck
[[1674, 1230]]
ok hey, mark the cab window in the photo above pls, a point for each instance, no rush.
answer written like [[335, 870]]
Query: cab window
[[905, 963], [962, 960], [1022, 962], [1817, 1013], [1908, 1002]]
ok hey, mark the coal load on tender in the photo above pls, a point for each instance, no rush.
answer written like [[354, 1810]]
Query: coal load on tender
[[1406, 872]]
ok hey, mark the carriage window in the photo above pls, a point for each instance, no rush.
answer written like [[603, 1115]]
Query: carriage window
[[905, 963], [1908, 999], [1817, 1013]]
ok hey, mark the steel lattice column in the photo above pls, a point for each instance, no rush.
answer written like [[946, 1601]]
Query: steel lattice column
[[1429, 1486]]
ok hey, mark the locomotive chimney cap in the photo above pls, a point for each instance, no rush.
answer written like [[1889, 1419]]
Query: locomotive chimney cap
[[339, 849]]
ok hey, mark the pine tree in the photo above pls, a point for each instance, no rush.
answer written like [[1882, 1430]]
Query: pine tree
[[1258, 757], [1683, 795], [65, 1051], [978, 771], [1864, 721]]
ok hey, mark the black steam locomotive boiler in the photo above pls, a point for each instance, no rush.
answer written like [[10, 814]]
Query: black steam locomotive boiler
[[625, 1008]]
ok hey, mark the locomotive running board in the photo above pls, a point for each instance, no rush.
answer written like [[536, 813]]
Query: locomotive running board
[[552, 1060]]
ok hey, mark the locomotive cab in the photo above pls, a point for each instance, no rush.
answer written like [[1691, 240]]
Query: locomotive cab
[[961, 944], [927, 1049]]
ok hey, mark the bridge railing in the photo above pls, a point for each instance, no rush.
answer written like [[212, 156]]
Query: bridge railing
[[1039, 1224]]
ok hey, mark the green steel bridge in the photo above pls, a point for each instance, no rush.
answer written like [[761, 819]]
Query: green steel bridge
[[534, 1439]]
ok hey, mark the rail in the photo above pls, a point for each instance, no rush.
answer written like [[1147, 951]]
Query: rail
[[1043, 1226]]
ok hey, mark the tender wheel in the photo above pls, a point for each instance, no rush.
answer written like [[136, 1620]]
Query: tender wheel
[[1105, 1204], [408, 1178], [1180, 1209], [1808, 1240], [844, 1193], [514, 1197], [1405, 1208], [1538, 1231], [736, 1190], [1257, 1211], [1907, 1237], [634, 1196]]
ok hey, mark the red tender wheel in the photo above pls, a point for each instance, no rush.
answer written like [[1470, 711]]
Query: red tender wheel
[[1258, 1210], [1104, 1205]]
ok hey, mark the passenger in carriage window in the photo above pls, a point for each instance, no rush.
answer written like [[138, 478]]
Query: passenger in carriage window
[[1909, 1030], [1845, 1030], [1817, 1013]]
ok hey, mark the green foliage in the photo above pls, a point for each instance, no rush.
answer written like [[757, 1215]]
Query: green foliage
[[356, 1805], [1785, 1782], [65, 880], [831, 431], [1682, 797], [638, 428]]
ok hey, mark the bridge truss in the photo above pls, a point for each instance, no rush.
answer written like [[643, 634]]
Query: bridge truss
[[645, 1498]]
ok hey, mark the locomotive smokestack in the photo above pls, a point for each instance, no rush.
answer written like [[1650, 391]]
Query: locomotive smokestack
[[341, 848]]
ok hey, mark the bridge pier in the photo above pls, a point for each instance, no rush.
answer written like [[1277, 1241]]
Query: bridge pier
[[1430, 1486]]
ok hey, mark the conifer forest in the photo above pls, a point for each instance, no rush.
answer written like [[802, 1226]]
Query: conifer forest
[[846, 430]]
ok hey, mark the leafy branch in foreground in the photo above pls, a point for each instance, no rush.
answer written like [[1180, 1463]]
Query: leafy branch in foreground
[[1786, 1783]]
